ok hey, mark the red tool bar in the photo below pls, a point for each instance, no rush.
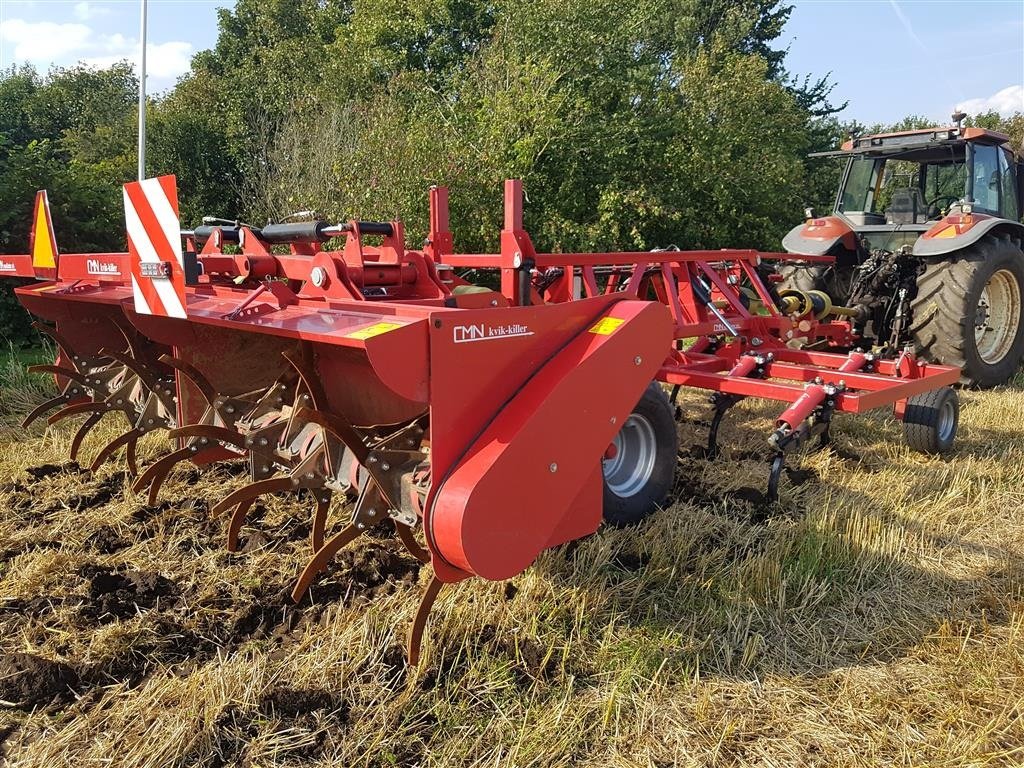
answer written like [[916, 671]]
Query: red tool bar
[[872, 390], [624, 259]]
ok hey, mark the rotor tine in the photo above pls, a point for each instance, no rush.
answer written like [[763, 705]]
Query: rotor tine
[[420, 621], [74, 410], [58, 339], [132, 435], [59, 370], [192, 373], [39, 410], [309, 379], [322, 557], [405, 534], [131, 456], [88, 424], [323, 506], [155, 473], [237, 521], [129, 334], [253, 490], [132, 365], [338, 427]]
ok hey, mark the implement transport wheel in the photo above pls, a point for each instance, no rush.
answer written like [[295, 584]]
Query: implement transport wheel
[[931, 419], [969, 312], [641, 461]]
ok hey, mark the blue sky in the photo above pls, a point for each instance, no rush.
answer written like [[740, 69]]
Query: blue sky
[[889, 58]]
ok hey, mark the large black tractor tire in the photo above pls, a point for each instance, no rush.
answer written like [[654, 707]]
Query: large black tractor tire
[[835, 280], [803, 278], [641, 464], [969, 310]]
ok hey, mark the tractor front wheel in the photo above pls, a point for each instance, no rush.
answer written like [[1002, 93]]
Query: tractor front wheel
[[969, 311], [641, 461]]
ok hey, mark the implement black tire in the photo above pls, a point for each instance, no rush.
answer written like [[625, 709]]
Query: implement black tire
[[948, 310], [639, 477], [931, 420]]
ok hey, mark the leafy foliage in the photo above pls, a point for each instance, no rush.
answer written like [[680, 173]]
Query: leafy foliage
[[633, 125]]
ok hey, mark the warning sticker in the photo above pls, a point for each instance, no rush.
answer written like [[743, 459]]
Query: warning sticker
[[607, 326], [372, 330]]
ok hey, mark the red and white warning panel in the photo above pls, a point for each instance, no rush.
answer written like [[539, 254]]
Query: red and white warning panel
[[154, 242]]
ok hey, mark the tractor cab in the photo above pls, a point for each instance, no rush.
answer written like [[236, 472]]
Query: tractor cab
[[898, 187], [926, 235]]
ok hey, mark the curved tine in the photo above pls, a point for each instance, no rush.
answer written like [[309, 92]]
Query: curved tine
[[308, 376], [236, 523], [75, 409], [341, 429], [192, 373], [58, 339], [778, 464], [221, 434], [88, 424], [133, 365], [405, 534], [132, 435], [127, 331], [420, 622], [322, 557], [323, 506], [59, 370], [251, 491], [131, 456], [157, 473], [39, 410]]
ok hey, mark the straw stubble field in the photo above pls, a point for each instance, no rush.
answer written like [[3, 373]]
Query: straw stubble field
[[876, 617]]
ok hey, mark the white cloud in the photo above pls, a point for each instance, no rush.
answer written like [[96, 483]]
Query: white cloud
[[46, 43], [163, 60], [1005, 102], [85, 11]]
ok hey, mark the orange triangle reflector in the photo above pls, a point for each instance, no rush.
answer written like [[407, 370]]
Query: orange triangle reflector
[[43, 242]]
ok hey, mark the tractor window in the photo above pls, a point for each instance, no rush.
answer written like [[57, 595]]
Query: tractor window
[[1009, 185], [859, 190], [943, 186], [986, 178]]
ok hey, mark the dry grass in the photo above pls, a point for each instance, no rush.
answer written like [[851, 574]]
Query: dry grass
[[876, 619]]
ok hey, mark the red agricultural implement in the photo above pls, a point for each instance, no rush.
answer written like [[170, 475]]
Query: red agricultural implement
[[499, 418]]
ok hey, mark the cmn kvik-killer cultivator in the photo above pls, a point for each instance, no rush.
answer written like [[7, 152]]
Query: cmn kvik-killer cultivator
[[381, 383]]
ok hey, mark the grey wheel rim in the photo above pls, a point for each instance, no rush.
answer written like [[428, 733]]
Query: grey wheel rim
[[947, 420], [997, 318], [635, 450]]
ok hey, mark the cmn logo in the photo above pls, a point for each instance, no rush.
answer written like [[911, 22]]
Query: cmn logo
[[468, 333]]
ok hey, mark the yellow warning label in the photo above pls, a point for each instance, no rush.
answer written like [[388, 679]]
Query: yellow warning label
[[43, 250], [373, 330], [607, 326]]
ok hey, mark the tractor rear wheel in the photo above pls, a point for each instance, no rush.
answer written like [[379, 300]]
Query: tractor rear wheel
[[641, 461], [969, 311]]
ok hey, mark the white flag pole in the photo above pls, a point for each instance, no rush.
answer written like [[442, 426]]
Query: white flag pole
[[142, 96]]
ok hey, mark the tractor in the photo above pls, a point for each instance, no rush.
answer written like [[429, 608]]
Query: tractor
[[926, 244]]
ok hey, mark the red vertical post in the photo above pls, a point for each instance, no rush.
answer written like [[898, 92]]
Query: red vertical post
[[510, 247], [440, 237]]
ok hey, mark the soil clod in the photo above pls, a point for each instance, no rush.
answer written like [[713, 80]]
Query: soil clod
[[28, 681], [114, 595]]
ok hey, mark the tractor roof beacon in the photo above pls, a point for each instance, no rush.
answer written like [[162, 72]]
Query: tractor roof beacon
[[926, 233]]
